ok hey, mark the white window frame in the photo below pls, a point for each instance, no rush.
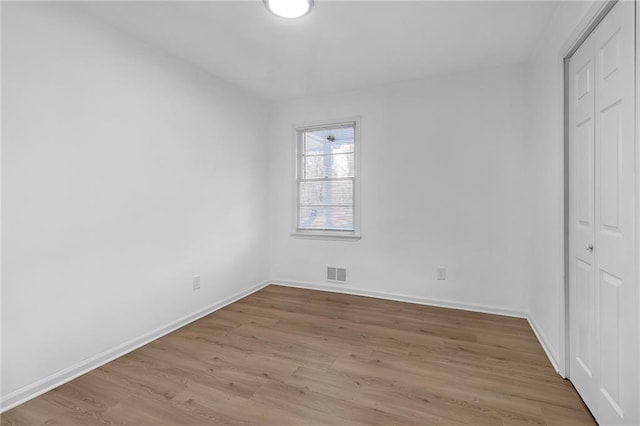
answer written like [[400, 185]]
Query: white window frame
[[298, 131]]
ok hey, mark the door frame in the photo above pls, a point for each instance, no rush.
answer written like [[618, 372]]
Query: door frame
[[590, 21]]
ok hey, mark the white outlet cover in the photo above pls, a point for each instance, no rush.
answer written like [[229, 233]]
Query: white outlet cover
[[441, 273], [196, 282]]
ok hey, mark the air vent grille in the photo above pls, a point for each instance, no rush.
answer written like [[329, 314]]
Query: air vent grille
[[336, 274]]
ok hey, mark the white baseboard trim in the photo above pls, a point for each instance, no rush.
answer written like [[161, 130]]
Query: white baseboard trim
[[32, 390], [431, 302], [401, 298], [544, 342]]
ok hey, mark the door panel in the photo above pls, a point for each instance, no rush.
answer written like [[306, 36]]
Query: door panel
[[584, 174], [610, 311], [610, 123], [586, 300], [615, 216], [582, 288], [602, 235]]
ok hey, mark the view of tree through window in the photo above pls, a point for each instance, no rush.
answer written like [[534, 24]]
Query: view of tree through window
[[326, 178]]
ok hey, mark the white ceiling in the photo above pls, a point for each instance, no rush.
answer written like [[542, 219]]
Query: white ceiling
[[339, 45]]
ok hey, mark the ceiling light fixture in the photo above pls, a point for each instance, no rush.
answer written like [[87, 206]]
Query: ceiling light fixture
[[289, 9]]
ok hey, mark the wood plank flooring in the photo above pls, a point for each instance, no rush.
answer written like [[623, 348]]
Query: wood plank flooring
[[286, 356]]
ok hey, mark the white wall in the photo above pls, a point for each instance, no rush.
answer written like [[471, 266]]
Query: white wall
[[442, 186], [124, 173], [545, 166]]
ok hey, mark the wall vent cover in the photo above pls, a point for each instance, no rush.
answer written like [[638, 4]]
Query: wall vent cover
[[336, 274]]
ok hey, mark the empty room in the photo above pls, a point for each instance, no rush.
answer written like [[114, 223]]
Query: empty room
[[320, 212]]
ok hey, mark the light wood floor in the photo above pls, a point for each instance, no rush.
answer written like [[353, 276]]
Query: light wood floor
[[290, 356]]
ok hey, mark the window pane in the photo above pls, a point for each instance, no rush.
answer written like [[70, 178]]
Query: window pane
[[329, 141], [326, 218], [340, 192], [331, 166]]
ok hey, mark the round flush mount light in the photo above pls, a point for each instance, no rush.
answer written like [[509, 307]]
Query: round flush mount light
[[289, 9]]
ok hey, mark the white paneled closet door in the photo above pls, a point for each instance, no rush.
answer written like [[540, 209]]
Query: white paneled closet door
[[602, 235]]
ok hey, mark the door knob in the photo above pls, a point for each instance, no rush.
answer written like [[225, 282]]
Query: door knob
[[589, 247]]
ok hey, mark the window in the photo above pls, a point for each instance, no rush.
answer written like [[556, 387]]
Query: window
[[327, 180]]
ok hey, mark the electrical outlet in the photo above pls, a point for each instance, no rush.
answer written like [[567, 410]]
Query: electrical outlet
[[196, 282], [441, 273]]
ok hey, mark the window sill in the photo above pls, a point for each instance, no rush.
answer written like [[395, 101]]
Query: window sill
[[326, 236]]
